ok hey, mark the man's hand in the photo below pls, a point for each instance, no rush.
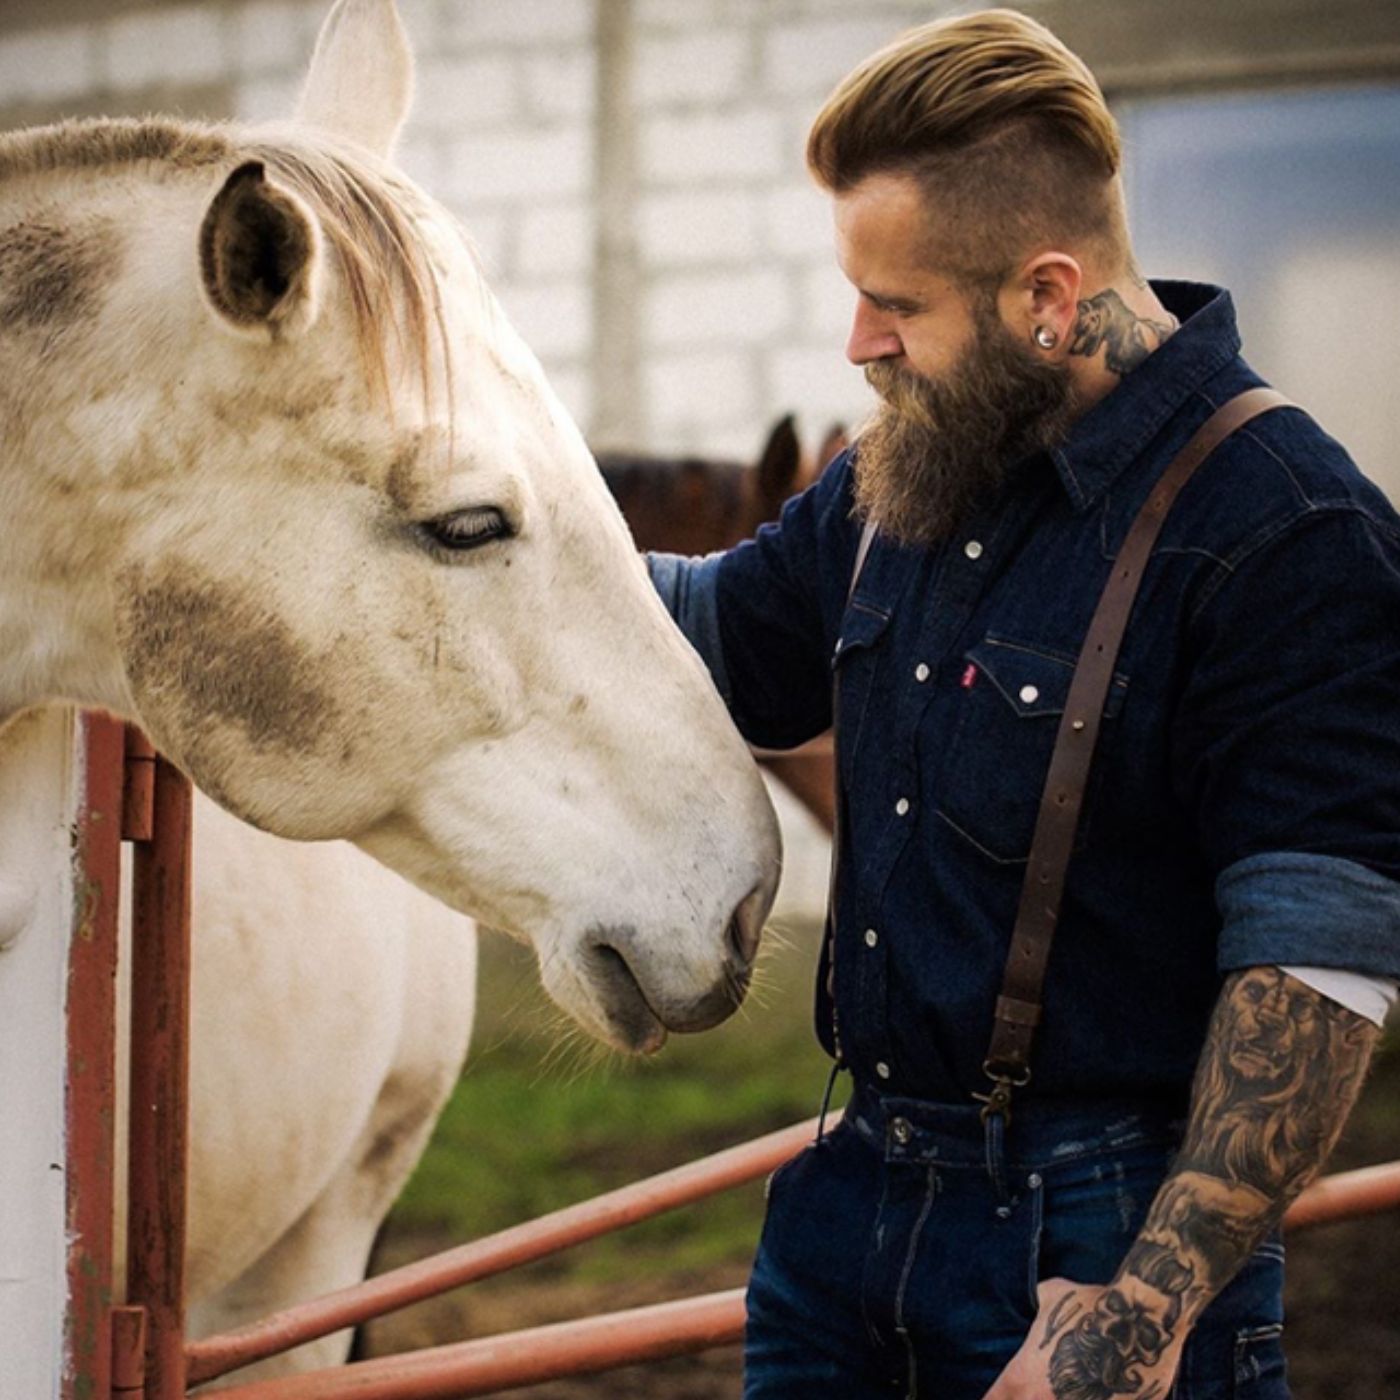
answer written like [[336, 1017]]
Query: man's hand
[[1097, 1342]]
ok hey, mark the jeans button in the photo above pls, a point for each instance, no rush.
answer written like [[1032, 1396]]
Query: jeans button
[[1033, 1181], [900, 1131]]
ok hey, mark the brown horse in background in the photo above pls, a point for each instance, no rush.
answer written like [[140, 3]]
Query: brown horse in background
[[696, 505]]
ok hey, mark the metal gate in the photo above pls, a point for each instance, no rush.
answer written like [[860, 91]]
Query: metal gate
[[139, 1351]]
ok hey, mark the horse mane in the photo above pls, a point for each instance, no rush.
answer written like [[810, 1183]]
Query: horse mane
[[366, 214]]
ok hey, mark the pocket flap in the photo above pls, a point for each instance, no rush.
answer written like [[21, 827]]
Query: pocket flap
[[1034, 680], [862, 626]]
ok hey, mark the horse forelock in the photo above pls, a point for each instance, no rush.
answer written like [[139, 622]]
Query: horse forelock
[[371, 218]]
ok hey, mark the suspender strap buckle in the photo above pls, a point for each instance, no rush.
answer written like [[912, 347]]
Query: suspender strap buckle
[[1005, 1079]]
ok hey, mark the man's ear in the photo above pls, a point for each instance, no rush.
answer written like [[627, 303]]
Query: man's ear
[[1040, 303]]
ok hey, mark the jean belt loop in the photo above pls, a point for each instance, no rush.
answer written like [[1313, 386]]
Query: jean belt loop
[[994, 1136]]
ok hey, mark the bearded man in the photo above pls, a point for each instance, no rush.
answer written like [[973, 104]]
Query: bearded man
[[1085, 1223]]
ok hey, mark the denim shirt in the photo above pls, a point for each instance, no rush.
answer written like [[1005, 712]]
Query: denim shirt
[[1244, 802]]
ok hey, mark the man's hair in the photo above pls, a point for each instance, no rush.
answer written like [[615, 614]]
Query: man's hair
[[1006, 131]]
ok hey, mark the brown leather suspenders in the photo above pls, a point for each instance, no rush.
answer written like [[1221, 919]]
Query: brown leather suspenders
[[1018, 1008]]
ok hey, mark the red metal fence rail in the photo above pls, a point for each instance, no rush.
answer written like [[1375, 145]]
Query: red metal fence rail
[[388, 1292]]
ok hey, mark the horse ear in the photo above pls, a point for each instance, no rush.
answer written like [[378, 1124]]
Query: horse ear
[[360, 84], [833, 444], [260, 256], [777, 468]]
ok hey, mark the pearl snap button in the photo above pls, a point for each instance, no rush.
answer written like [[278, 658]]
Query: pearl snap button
[[871, 938], [973, 549], [921, 672], [1029, 695], [882, 1069], [902, 806]]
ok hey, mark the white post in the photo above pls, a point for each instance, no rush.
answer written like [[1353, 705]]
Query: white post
[[39, 782]]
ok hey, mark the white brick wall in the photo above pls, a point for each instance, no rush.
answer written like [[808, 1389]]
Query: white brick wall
[[268, 35], [524, 22], [561, 84], [456, 94], [738, 313], [692, 68], [556, 240], [184, 45], [680, 228], [745, 145], [691, 392], [49, 64], [752, 307], [797, 223], [813, 57], [517, 167]]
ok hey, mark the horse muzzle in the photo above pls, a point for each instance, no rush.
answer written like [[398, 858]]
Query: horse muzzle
[[643, 991]]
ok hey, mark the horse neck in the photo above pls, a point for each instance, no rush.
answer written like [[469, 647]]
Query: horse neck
[[56, 638], [60, 430]]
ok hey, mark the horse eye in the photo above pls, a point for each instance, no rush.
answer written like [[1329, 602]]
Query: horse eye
[[462, 530]]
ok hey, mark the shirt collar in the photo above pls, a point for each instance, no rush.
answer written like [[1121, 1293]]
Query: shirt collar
[[1117, 428]]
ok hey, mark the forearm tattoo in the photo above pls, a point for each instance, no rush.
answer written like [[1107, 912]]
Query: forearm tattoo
[[1280, 1071], [1106, 322]]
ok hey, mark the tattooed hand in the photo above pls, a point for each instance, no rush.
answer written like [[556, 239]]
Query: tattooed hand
[[1091, 1342]]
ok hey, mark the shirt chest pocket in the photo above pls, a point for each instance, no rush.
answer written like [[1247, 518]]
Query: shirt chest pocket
[[990, 777], [854, 664]]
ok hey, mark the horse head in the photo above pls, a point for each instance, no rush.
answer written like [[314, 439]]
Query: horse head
[[290, 492]]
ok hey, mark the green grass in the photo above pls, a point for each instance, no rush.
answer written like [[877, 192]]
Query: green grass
[[541, 1119]]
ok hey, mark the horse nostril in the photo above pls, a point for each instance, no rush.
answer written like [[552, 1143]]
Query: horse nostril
[[746, 927]]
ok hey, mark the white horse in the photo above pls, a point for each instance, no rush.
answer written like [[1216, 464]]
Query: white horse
[[280, 483]]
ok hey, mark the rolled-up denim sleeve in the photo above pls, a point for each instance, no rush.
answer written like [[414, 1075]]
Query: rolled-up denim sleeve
[[1283, 907]]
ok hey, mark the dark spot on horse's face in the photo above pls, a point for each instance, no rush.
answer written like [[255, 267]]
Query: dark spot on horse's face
[[51, 277], [199, 650], [246, 409], [398, 485]]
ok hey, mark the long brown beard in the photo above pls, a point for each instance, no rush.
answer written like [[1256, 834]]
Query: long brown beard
[[937, 449]]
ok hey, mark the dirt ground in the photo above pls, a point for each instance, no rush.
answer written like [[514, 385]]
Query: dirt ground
[[1343, 1299]]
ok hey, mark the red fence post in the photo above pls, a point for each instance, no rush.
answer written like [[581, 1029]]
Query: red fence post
[[91, 1079], [158, 1150]]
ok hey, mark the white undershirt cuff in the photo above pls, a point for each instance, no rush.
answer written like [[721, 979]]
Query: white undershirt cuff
[[1371, 997]]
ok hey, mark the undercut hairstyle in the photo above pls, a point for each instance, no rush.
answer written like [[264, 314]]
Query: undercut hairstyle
[[1006, 131]]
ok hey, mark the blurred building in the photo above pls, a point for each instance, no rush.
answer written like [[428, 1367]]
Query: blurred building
[[632, 173]]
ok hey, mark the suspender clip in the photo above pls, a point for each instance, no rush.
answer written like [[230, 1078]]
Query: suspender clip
[[1004, 1079]]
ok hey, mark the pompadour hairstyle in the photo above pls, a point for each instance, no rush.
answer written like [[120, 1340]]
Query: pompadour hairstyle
[[1005, 129]]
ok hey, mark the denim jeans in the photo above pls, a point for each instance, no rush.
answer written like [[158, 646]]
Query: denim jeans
[[901, 1253]]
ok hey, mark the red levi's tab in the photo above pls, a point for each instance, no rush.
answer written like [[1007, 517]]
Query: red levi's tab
[[969, 677]]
